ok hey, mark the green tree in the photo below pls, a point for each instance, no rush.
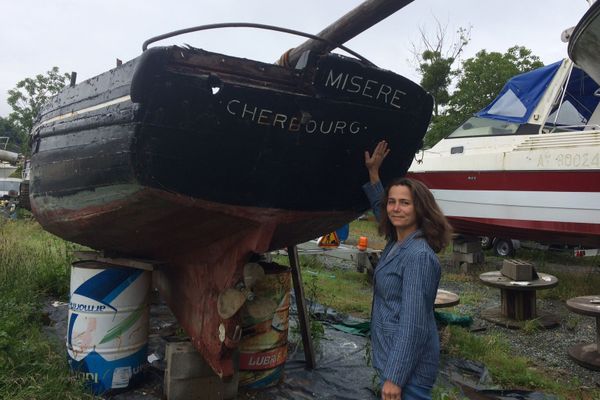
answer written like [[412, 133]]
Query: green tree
[[485, 74], [480, 81], [8, 130], [29, 95], [436, 60]]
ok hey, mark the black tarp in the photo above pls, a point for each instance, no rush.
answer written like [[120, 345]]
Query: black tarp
[[342, 372]]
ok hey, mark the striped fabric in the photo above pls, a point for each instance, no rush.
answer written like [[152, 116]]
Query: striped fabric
[[404, 337]]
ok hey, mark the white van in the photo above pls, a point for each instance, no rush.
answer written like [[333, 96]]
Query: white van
[[9, 188]]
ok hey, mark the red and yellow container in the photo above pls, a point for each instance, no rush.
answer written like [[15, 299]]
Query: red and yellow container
[[265, 321]]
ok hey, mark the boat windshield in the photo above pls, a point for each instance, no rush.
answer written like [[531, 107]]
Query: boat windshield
[[477, 126], [8, 185], [578, 107]]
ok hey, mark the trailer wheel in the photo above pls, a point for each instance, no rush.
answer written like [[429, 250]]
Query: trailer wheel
[[486, 242], [504, 248]]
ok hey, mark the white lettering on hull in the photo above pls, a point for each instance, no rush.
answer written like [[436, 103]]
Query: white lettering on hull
[[569, 160], [369, 88], [267, 117]]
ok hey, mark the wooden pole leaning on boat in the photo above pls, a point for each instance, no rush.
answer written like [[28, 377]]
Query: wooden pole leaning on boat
[[353, 23]]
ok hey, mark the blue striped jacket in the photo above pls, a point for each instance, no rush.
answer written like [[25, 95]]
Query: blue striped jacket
[[404, 336]]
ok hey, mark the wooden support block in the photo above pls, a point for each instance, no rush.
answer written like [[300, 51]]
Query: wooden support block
[[362, 261], [464, 246], [517, 270], [147, 265]]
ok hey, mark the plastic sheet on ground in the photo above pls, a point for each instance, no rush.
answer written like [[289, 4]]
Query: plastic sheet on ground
[[341, 373], [473, 381], [448, 318]]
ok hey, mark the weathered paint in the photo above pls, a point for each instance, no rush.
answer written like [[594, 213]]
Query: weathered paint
[[263, 346], [213, 158]]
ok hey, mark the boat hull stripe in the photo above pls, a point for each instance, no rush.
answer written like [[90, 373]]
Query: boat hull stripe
[[552, 230], [570, 207], [555, 181]]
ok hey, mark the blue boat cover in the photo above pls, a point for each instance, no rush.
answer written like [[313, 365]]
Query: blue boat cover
[[522, 93], [581, 94]]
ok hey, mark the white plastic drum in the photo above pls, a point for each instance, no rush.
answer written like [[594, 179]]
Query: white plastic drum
[[107, 334]]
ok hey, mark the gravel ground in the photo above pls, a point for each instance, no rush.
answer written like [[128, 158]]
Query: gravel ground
[[547, 348]]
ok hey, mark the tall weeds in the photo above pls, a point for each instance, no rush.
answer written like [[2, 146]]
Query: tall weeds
[[34, 266]]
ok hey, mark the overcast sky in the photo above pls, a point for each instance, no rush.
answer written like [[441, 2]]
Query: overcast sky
[[87, 36]]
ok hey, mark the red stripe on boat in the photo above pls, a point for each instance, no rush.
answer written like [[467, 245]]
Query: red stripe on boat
[[554, 181]]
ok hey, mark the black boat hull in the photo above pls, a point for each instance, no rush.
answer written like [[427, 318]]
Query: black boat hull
[[269, 137], [199, 160]]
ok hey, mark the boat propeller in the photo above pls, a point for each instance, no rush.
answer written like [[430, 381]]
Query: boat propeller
[[233, 299]]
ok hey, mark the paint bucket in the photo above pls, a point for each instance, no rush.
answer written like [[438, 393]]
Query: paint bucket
[[265, 321], [363, 243], [107, 333]]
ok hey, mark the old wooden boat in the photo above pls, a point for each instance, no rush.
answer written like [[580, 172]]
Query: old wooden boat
[[201, 160]]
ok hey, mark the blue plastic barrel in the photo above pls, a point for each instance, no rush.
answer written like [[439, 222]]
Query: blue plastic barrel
[[107, 333]]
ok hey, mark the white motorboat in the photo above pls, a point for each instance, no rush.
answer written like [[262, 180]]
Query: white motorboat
[[528, 165]]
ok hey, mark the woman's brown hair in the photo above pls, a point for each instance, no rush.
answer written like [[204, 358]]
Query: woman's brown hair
[[430, 219]]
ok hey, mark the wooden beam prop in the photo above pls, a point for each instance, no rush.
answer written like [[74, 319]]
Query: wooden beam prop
[[303, 318]]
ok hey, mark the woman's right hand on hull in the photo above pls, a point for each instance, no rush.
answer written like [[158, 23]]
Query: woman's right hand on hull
[[373, 162]]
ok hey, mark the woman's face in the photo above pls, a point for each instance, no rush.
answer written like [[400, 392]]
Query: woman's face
[[400, 209]]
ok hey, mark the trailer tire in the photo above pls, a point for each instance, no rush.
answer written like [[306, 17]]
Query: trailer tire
[[486, 242], [504, 247]]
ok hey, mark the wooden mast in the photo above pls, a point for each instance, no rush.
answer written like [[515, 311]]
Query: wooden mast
[[353, 23]]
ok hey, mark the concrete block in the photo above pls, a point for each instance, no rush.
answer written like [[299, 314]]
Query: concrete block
[[465, 247], [471, 258], [189, 377], [207, 388], [517, 270], [184, 361]]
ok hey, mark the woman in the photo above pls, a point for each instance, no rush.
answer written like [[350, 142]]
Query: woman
[[405, 343]]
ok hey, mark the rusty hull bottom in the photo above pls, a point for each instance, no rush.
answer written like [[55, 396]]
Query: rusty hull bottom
[[202, 248]]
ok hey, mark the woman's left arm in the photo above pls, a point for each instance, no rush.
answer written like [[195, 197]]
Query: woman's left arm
[[419, 286]]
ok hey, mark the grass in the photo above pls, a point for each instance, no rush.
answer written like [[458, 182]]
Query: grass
[[34, 265], [494, 352], [346, 291], [507, 369], [544, 257], [510, 370], [571, 285], [368, 228]]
